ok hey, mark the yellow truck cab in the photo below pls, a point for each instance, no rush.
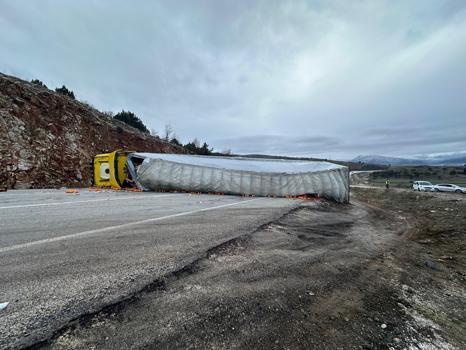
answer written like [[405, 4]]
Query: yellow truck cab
[[110, 169]]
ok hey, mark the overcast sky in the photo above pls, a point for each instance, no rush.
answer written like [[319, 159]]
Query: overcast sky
[[311, 78]]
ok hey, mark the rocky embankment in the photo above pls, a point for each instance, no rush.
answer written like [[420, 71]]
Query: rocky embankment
[[49, 140]]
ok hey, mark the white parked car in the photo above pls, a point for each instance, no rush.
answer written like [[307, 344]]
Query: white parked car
[[449, 188], [422, 186]]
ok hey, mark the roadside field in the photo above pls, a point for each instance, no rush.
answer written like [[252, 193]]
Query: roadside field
[[403, 176]]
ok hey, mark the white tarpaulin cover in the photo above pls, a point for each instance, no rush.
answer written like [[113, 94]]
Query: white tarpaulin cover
[[238, 175]]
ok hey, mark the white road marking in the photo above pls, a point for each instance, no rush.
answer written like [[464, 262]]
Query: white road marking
[[117, 227], [36, 192], [364, 186], [83, 201]]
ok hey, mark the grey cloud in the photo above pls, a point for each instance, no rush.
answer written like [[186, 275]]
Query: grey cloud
[[337, 78], [411, 142]]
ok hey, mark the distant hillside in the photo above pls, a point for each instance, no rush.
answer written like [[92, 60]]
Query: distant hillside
[[48, 139], [350, 164], [383, 160], [456, 159]]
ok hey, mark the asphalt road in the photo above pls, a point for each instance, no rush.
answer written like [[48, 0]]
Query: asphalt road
[[65, 255]]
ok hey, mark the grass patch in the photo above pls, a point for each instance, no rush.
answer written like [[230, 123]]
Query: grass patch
[[404, 176]]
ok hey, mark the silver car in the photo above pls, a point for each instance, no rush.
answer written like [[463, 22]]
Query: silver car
[[449, 188], [422, 186]]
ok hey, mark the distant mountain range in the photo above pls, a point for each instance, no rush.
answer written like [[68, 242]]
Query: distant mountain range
[[452, 159]]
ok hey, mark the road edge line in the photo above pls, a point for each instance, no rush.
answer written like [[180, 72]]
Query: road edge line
[[116, 227]]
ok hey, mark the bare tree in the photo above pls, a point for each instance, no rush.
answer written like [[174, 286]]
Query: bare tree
[[153, 132], [168, 132], [196, 143]]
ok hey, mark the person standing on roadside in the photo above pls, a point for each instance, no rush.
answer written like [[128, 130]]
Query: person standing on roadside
[[387, 184]]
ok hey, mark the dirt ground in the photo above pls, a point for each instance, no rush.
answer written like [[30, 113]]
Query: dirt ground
[[385, 272], [431, 261]]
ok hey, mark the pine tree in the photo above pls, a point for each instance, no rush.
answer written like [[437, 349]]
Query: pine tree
[[174, 141], [64, 91], [38, 82], [131, 119]]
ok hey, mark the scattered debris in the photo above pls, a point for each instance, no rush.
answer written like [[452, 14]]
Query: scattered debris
[[425, 241], [72, 190], [3, 305], [133, 190]]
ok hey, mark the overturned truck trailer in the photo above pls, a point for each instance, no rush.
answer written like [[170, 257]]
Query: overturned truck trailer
[[238, 175], [228, 175]]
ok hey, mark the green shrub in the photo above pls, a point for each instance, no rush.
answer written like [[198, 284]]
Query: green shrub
[[64, 91], [131, 119], [174, 141], [39, 83]]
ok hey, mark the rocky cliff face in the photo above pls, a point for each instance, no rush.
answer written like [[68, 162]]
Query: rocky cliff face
[[49, 140]]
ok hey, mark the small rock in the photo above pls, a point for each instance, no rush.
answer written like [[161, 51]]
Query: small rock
[[383, 326], [396, 340], [430, 264], [446, 257], [346, 319]]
